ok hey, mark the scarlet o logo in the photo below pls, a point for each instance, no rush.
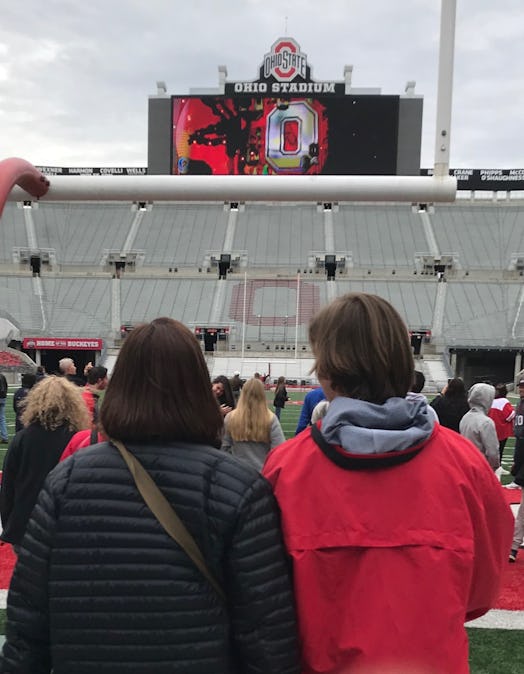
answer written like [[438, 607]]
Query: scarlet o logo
[[285, 48]]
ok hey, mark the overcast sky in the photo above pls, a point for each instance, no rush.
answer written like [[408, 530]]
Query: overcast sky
[[75, 76]]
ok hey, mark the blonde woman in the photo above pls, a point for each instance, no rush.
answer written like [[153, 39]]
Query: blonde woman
[[54, 411], [251, 430]]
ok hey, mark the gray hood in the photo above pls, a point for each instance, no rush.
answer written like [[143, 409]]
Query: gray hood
[[481, 396], [361, 427]]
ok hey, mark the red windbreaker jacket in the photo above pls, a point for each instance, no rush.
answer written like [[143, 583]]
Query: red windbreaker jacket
[[389, 562]]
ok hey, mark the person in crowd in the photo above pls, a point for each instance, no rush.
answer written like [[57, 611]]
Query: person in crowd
[[40, 373], [391, 521], [3, 399], [251, 430], [451, 404], [83, 439], [236, 385], [502, 414], [281, 397], [517, 471], [53, 413], [96, 383], [311, 399], [27, 383], [67, 369], [476, 424], [415, 393], [223, 393], [100, 586], [518, 432], [319, 411]]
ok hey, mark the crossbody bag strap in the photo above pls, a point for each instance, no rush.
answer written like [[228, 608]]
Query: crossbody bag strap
[[165, 514]]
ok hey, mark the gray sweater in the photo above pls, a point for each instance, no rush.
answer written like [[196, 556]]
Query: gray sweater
[[253, 452]]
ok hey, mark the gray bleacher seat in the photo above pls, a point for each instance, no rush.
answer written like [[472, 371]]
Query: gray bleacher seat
[[484, 235], [80, 231], [13, 231], [379, 235], [180, 234], [279, 234]]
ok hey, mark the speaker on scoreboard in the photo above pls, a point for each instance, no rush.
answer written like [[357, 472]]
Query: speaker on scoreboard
[[330, 265]]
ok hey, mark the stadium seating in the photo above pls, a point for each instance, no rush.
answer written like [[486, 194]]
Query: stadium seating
[[277, 262]]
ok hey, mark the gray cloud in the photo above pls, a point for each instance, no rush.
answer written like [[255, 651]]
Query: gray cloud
[[75, 77]]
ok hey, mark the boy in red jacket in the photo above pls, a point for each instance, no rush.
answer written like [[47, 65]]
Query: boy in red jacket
[[396, 526]]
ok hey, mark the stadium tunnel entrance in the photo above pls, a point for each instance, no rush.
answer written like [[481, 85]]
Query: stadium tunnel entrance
[[48, 351], [488, 364]]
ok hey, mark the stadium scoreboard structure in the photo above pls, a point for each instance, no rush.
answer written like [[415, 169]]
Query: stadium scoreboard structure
[[285, 123]]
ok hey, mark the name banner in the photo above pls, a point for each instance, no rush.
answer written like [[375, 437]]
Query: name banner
[[486, 180], [68, 344]]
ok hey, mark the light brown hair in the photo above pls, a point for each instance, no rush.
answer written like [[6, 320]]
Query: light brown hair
[[159, 389], [361, 346], [251, 420], [56, 402]]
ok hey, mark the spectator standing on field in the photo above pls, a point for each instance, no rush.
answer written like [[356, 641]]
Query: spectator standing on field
[[311, 400], [223, 393], [53, 412], [28, 381], [476, 424], [252, 430], [451, 404], [100, 586], [517, 470], [502, 414], [415, 393], [236, 385], [3, 398], [390, 521], [96, 383], [281, 397], [518, 431]]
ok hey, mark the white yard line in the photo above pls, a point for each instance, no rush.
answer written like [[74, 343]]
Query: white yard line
[[500, 619]]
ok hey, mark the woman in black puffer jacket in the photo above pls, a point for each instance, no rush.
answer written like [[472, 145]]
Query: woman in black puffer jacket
[[99, 586]]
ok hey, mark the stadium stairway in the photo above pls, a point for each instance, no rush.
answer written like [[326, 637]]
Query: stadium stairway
[[435, 370]]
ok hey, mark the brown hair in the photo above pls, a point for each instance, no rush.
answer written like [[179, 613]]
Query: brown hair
[[56, 402], [251, 421], [361, 346], [159, 389]]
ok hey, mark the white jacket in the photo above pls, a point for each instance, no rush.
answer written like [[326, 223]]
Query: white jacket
[[477, 426]]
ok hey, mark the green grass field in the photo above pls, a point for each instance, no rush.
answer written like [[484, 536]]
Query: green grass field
[[491, 651]]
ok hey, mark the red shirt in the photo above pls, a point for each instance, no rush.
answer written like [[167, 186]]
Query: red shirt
[[502, 413], [78, 441]]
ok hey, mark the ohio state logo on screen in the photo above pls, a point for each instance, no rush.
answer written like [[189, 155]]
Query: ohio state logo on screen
[[285, 61]]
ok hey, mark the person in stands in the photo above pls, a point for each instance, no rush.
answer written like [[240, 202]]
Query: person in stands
[[100, 586], [251, 430], [397, 528]]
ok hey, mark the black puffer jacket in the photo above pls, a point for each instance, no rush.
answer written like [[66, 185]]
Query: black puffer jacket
[[99, 587]]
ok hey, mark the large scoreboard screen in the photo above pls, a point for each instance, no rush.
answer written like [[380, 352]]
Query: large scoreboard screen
[[248, 135]]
